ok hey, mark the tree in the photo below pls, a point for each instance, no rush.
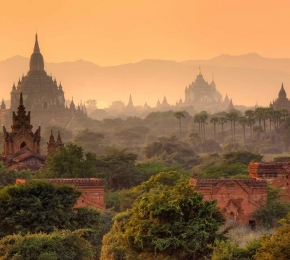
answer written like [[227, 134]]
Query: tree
[[8, 176], [222, 120], [171, 151], [197, 119], [233, 116], [71, 162], [89, 140], [249, 114], [277, 245], [243, 157], [39, 206], [203, 118], [65, 244], [286, 133], [243, 122], [195, 138], [179, 115], [273, 210], [117, 168], [258, 130], [165, 223], [214, 120]]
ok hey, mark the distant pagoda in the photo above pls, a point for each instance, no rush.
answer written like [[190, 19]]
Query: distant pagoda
[[41, 94]]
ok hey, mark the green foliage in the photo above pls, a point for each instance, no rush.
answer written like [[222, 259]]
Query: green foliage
[[225, 250], [273, 210], [168, 219], [277, 245], [242, 157], [106, 222], [9, 176], [232, 147], [282, 159], [89, 140], [118, 169], [71, 162], [235, 170], [65, 245], [41, 207], [171, 151]]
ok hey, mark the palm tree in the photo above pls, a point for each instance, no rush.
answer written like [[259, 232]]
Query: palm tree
[[233, 116], [203, 119], [243, 122], [249, 114], [179, 115], [214, 120], [259, 114], [221, 121], [270, 117], [197, 119], [258, 130]]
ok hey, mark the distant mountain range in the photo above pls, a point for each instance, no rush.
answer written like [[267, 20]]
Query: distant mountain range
[[246, 79]]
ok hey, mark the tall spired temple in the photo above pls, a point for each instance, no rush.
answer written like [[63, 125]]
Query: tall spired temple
[[200, 91], [41, 95], [39, 90], [282, 102], [204, 96]]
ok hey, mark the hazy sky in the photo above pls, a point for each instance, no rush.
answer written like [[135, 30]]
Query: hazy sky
[[111, 32]]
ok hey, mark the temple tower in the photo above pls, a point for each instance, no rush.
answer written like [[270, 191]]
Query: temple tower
[[21, 135]]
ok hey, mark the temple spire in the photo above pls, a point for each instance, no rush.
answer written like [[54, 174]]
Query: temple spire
[[51, 138], [21, 100], [199, 71], [36, 46]]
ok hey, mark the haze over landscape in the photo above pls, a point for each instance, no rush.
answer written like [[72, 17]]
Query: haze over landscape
[[247, 79], [150, 48], [144, 129]]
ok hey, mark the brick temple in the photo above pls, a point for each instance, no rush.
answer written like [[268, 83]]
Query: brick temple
[[92, 190], [239, 198]]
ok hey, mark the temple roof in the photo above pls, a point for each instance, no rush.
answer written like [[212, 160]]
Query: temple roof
[[36, 59]]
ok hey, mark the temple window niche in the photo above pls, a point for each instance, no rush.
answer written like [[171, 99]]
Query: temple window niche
[[45, 105], [23, 144]]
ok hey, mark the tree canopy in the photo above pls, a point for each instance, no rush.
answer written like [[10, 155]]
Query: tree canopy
[[38, 206], [168, 219], [65, 245]]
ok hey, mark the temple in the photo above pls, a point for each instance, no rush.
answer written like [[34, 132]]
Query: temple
[[41, 94], [22, 145], [236, 198], [92, 190], [282, 102], [239, 198]]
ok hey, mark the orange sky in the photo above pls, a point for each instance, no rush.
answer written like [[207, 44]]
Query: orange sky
[[111, 32]]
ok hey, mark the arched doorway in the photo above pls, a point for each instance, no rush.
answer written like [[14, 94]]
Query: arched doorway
[[45, 105], [23, 144]]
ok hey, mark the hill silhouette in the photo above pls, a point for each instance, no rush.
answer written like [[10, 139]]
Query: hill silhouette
[[246, 78]]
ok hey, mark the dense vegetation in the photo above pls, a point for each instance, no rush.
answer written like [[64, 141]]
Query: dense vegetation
[[151, 213]]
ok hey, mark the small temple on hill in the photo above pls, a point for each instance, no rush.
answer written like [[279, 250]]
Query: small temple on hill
[[42, 94], [282, 102]]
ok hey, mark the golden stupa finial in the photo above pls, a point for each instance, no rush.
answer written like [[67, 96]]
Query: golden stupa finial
[[199, 71]]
